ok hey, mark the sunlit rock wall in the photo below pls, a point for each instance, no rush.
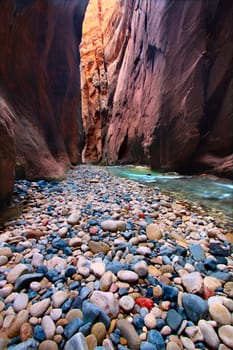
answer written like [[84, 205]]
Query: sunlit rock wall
[[167, 77], [40, 79]]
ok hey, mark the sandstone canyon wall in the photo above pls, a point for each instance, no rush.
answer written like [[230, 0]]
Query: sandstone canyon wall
[[158, 85], [40, 99]]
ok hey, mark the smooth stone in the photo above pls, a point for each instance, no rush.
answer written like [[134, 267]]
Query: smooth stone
[[16, 272], [24, 281], [91, 342], [220, 314], [39, 333], [113, 225], [209, 334], [195, 307], [212, 283], [35, 286], [37, 259], [73, 327], [194, 333], [3, 260], [99, 331], [48, 327], [145, 345], [228, 289], [173, 319], [20, 302], [187, 343], [6, 251], [15, 326], [74, 313], [39, 308], [77, 342], [141, 268], [128, 332], [197, 252], [171, 345], [106, 281], [26, 331], [30, 344], [48, 345], [150, 321], [153, 232], [98, 247], [226, 335], [154, 337], [127, 276], [107, 344], [126, 303], [98, 269], [55, 314], [107, 301], [73, 219], [59, 298], [193, 282], [93, 313]]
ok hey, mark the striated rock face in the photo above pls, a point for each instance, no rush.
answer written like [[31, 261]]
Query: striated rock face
[[39, 76], [7, 151], [158, 87]]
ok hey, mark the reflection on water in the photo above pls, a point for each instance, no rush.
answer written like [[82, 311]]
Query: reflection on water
[[213, 194]]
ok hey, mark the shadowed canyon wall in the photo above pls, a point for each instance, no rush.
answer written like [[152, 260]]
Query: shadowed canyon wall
[[40, 99], [157, 83]]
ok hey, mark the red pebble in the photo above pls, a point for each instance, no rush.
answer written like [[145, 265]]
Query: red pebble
[[145, 302], [141, 216], [94, 230], [207, 293], [45, 222]]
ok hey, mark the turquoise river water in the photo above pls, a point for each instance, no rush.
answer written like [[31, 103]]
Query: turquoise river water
[[209, 194]]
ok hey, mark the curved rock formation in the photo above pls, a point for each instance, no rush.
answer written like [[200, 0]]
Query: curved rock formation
[[169, 90], [39, 73]]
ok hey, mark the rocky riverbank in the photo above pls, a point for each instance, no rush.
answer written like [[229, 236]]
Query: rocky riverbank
[[99, 262]]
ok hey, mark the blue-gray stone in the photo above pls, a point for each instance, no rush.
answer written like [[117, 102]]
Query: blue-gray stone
[[145, 345], [220, 275], [138, 322], [115, 338], [70, 271], [85, 291], [173, 319], [39, 333], [210, 264], [116, 266], [93, 313], [156, 339], [25, 280], [195, 307], [86, 328], [169, 293], [160, 323], [67, 305], [77, 342], [73, 327], [30, 344], [197, 251]]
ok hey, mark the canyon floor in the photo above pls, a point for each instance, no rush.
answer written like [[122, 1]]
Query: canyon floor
[[100, 262]]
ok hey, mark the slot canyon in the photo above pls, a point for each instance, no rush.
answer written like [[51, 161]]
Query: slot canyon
[[95, 94]]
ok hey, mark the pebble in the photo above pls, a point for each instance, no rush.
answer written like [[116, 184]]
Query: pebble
[[39, 308], [209, 334], [126, 303], [127, 276], [226, 335], [20, 302], [86, 267], [48, 327], [128, 331], [107, 301]]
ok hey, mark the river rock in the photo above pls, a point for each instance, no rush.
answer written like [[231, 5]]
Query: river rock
[[15, 326], [193, 282], [30, 344], [73, 313], [26, 331], [98, 247], [128, 332], [226, 335], [113, 225], [107, 301], [16, 271], [99, 331], [220, 314], [39, 308], [212, 283], [195, 307], [37, 259], [106, 281], [228, 289], [153, 232], [77, 342], [59, 298], [20, 302], [48, 345], [126, 303], [25, 280], [48, 327], [73, 219], [6, 251], [127, 276], [98, 269], [209, 334], [91, 342]]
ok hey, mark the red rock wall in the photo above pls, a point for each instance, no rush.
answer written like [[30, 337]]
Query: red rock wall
[[39, 75], [169, 96]]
